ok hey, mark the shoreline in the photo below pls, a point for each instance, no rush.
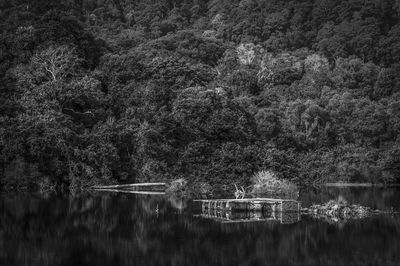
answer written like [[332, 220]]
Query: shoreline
[[340, 184]]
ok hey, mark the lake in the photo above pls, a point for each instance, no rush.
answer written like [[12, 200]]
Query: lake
[[123, 229]]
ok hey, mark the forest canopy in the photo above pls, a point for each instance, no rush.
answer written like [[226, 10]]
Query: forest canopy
[[103, 91]]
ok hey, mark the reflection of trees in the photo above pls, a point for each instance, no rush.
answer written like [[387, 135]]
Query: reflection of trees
[[113, 230]]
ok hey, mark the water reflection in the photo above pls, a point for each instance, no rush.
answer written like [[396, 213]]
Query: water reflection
[[115, 229], [248, 210], [245, 217]]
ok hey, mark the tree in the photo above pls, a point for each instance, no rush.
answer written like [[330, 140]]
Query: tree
[[280, 69], [352, 73], [385, 84], [205, 114], [357, 37], [56, 62], [268, 123]]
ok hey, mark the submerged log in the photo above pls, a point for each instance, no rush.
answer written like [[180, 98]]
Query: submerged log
[[137, 192], [133, 186]]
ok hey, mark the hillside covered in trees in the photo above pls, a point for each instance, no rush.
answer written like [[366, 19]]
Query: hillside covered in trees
[[97, 91]]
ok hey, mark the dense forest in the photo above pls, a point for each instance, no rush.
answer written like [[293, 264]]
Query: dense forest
[[102, 91]]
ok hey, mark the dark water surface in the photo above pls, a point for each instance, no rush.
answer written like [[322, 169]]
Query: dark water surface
[[124, 229]]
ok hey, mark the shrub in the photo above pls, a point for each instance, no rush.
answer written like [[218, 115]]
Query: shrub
[[267, 182], [203, 189], [178, 186]]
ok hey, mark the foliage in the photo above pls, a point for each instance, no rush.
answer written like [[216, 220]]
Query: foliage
[[178, 187], [267, 182], [212, 91]]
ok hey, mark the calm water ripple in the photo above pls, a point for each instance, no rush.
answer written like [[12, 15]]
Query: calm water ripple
[[116, 229]]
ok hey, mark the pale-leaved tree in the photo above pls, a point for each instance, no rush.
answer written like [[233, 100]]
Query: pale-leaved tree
[[56, 62]]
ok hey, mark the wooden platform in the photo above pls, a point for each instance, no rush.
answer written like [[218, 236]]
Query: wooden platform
[[251, 204], [250, 210]]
